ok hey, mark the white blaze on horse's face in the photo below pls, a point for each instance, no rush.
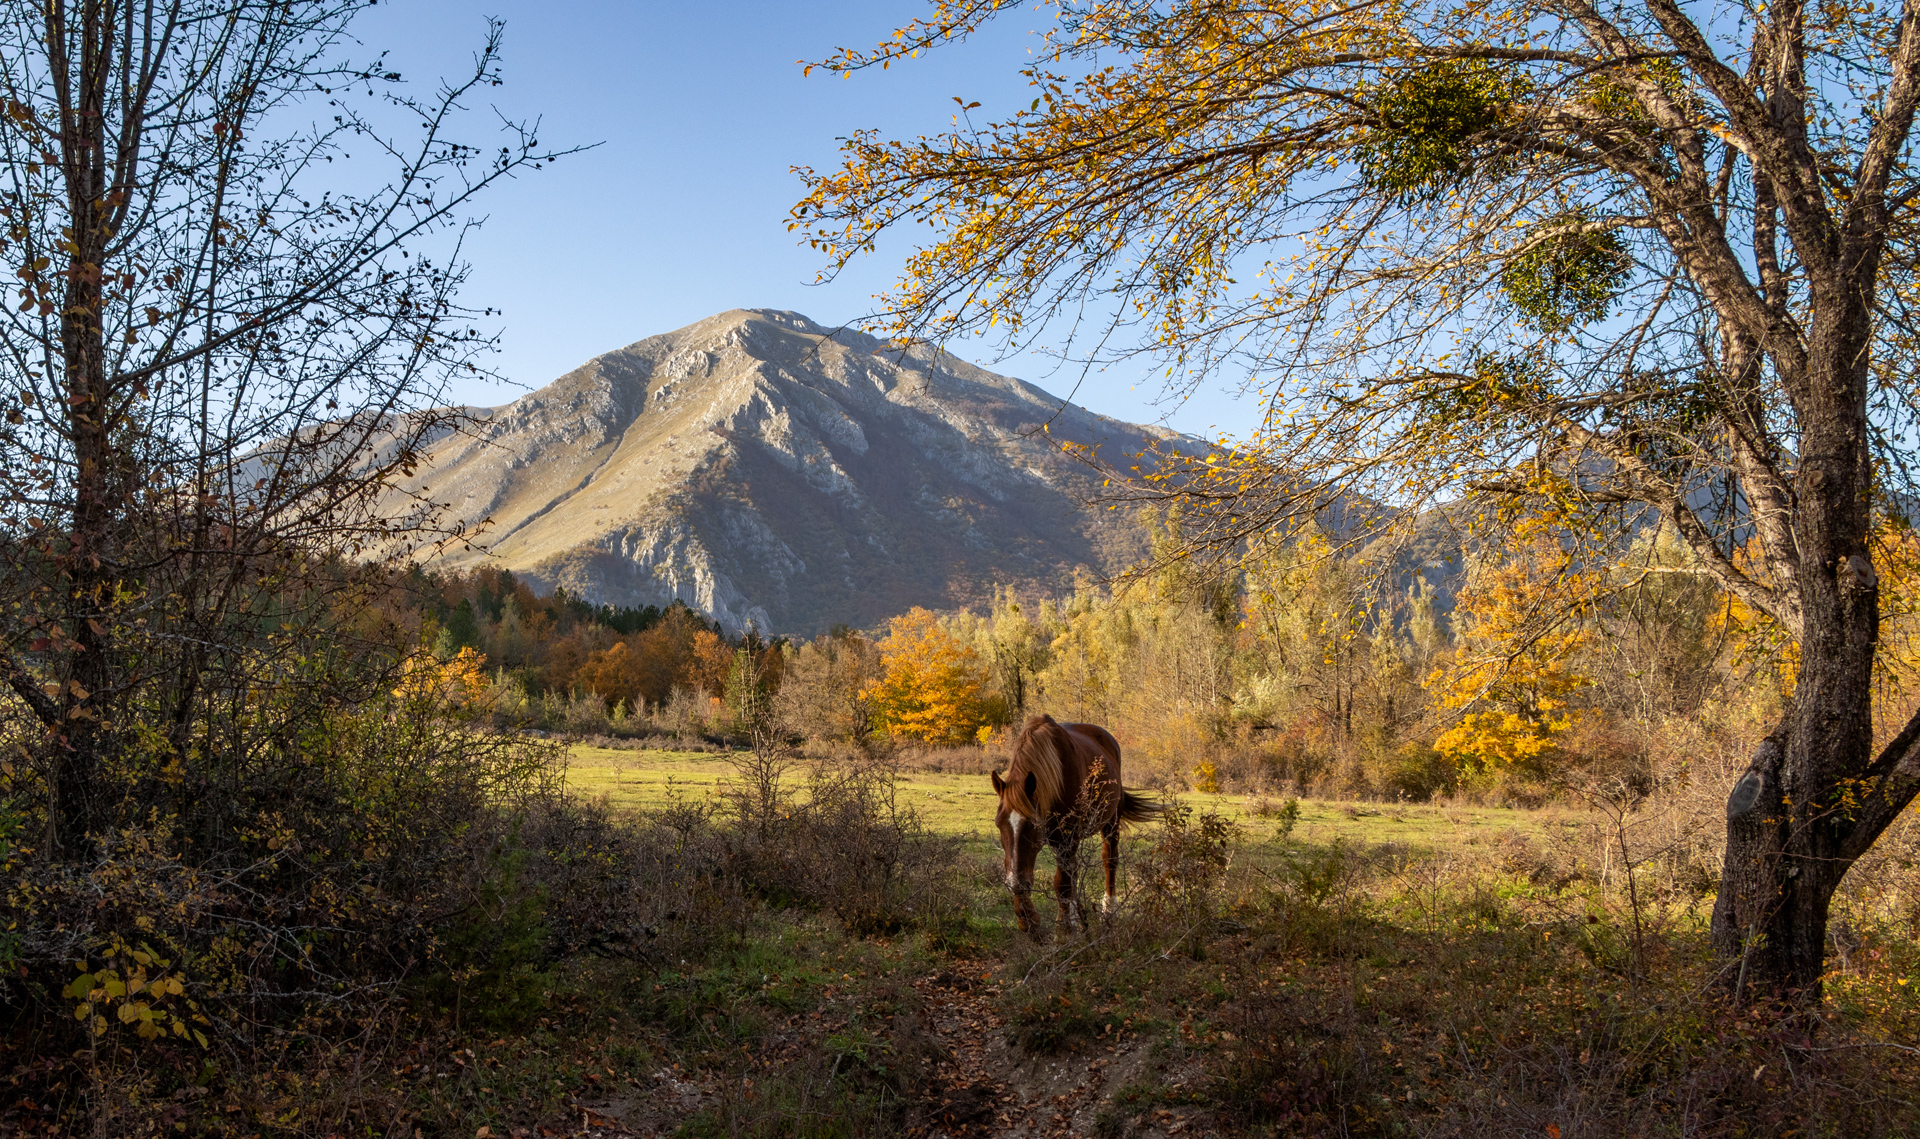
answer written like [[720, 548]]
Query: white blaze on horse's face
[[1014, 821]]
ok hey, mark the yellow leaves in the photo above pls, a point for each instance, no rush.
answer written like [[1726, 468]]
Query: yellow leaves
[[453, 683], [932, 687], [1512, 673], [1497, 740], [1759, 642], [134, 995]]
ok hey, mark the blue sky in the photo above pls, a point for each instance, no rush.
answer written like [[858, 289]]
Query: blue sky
[[701, 109]]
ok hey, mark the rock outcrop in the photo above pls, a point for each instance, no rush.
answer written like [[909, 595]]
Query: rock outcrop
[[771, 472]]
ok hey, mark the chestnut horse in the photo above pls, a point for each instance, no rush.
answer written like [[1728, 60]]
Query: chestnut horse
[[1063, 785]]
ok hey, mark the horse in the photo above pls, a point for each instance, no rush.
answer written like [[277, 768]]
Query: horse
[[1062, 785]]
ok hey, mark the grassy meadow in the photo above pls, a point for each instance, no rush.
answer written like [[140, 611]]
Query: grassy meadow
[[961, 805], [1313, 968]]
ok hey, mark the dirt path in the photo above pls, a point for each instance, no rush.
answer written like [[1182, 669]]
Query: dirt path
[[977, 1084], [986, 1088]]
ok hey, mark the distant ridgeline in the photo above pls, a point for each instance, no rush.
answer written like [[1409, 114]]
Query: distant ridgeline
[[775, 474]]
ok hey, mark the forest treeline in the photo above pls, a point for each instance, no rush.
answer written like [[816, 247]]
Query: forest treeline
[[1297, 669]]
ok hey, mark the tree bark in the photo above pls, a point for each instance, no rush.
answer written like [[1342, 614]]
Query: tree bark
[[89, 558], [1793, 827]]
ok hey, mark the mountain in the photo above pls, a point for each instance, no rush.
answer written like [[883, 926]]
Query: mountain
[[771, 472]]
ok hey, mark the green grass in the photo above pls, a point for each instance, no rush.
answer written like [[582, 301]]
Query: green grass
[[963, 806]]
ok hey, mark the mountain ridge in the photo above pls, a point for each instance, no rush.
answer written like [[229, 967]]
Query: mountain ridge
[[771, 472]]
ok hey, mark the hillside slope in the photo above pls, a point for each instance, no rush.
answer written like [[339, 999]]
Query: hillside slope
[[771, 472]]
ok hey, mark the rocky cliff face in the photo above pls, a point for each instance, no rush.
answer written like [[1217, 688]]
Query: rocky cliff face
[[769, 471]]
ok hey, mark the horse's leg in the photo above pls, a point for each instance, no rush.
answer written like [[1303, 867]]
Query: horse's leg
[[1110, 857], [1025, 855], [1024, 914], [1066, 866]]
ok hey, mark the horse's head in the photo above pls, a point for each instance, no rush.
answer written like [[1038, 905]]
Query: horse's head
[[1020, 841]]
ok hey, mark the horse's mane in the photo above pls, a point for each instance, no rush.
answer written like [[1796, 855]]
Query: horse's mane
[[1038, 753]]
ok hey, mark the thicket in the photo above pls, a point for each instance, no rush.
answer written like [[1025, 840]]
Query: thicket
[[1538, 670], [388, 873]]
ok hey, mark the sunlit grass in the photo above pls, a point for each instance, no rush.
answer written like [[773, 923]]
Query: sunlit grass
[[963, 805]]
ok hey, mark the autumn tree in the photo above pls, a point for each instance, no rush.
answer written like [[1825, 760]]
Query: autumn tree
[[1308, 620], [233, 249], [1513, 673], [710, 662], [753, 677], [1012, 639], [1149, 659], [1659, 649], [616, 674], [825, 689], [1619, 259], [679, 650], [932, 687]]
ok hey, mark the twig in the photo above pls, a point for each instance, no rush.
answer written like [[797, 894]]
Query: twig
[[1863, 1044]]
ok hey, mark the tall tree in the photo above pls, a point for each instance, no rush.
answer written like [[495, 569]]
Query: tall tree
[[1601, 257], [235, 251]]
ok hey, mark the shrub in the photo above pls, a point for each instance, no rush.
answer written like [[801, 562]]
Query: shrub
[[1418, 772], [346, 852], [654, 889], [846, 845], [1180, 879]]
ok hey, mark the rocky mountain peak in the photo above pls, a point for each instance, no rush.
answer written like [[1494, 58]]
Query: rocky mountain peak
[[773, 472]]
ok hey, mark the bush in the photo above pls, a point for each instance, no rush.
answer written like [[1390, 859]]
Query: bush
[[1179, 880], [1417, 772], [655, 889], [492, 953], [350, 851], [847, 846]]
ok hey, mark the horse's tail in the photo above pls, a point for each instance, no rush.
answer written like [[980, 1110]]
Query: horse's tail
[[1137, 808]]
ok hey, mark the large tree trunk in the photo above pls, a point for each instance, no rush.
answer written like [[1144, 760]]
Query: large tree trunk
[[1770, 920], [1798, 817]]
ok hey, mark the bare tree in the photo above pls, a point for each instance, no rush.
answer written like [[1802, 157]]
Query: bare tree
[[235, 252]]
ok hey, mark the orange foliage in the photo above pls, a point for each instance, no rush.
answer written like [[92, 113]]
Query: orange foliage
[[647, 667], [932, 687], [1511, 672], [616, 674], [710, 662], [454, 683]]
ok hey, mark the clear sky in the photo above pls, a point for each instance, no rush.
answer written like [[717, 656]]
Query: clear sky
[[701, 110]]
